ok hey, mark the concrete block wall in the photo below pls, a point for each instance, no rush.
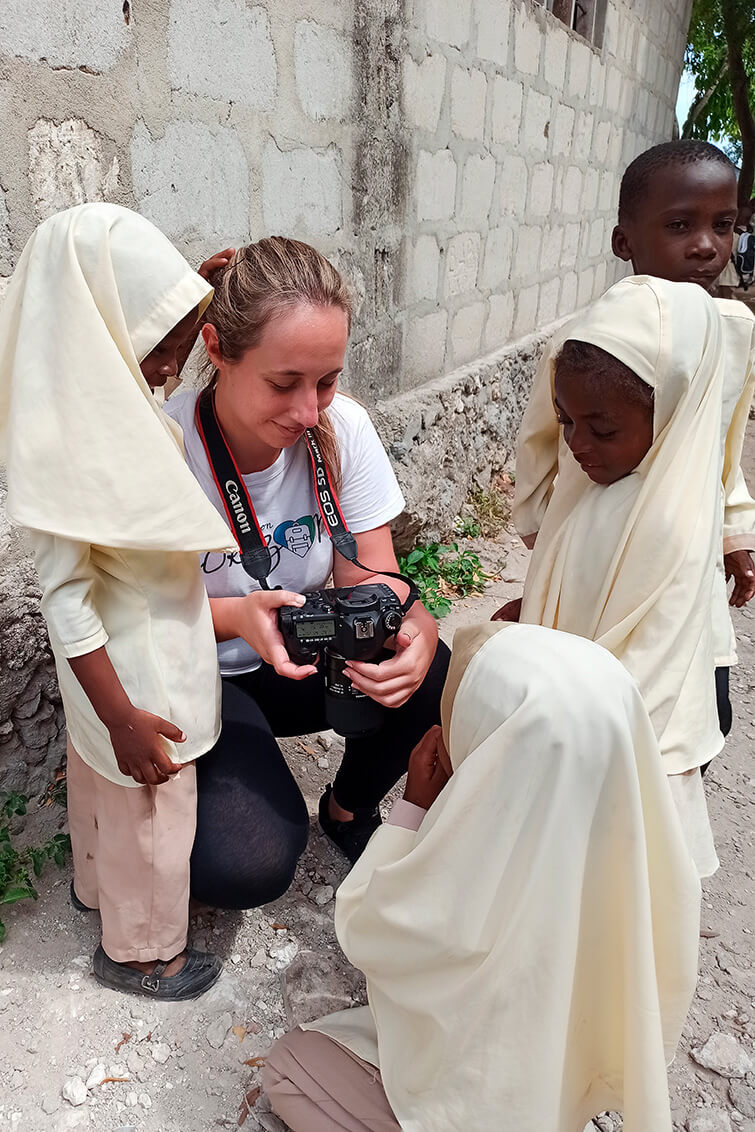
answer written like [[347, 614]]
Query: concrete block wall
[[520, 131], [458, 159]]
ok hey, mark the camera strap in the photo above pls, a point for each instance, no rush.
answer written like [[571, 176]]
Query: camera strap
[[239, 509]]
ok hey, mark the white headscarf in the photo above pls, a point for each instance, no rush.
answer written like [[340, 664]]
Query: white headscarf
[[90, 455], [531, 952], [632, 565]]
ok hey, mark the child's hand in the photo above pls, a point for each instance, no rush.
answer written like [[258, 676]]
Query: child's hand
[[511, 611], [215, 262], [740, 566], [429, 769], [139, 751]]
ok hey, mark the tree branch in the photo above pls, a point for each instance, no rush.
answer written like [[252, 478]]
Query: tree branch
[[702, 100], [740, 90]]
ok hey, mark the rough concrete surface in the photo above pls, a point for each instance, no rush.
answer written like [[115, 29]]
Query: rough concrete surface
[[193, 1066]]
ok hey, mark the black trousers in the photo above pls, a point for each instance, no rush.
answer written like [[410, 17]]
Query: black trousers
[[723, 706], [252, 821], [723, 702]]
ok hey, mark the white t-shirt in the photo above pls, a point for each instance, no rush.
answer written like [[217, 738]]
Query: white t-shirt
[[284, 501]]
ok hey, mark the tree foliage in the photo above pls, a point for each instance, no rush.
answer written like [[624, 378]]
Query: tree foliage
[[721, 56]]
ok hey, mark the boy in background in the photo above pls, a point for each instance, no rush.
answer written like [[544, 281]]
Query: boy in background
[[677, 211]]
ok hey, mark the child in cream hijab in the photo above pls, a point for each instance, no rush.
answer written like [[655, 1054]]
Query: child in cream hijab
[[631, 537], [97, 310], [529, 942]]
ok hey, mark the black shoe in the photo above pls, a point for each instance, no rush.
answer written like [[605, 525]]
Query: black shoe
[[350, 837], [197, 975], [79, 905]]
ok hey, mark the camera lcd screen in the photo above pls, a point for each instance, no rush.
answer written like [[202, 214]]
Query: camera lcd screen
[[307, 630]]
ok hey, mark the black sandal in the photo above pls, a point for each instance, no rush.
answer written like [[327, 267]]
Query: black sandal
[[197, 975], [350, 837], [79, 905]]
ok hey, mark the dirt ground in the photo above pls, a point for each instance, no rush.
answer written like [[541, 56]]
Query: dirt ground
[[194, 1067]]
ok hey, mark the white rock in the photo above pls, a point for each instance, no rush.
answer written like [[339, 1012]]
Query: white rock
[[145, 1100], [218, 1030], [323, 764], [724, 1055], [284, 952], [72, 1118], [325, 739], [134, 1063], [141, 1029], [236, 958], [321, 894], [259, 958], [74, 1091], [161, 1051], [226, 995], [97, 1076], [709, 1120]]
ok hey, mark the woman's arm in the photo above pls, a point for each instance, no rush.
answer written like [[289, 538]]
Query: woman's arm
[[393, 681]]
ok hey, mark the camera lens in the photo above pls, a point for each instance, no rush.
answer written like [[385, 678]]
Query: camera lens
[[348, 711]]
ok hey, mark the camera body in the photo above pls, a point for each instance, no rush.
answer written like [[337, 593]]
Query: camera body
[[354, 622], [345, 624]]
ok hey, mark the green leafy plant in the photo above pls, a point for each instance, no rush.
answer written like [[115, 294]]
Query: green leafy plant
[[20, 867], [467, 526], [441, 572]]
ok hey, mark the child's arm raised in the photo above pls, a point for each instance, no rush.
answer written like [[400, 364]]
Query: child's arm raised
[[67, 579], [208, 268]]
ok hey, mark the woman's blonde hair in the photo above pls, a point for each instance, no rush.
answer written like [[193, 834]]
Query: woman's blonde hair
[[262, 281]]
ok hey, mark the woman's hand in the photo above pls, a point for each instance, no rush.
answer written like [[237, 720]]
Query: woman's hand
[[511, 611], [739, 565], [139, 750], [255, 618], [429, 769], [393, 681]]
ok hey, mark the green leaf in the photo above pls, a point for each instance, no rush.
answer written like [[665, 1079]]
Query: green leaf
[[19, 892], [38, 860], [13, 804]]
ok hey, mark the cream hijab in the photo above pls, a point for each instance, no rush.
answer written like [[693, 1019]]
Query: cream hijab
[[632, 565], [531, 952], [90, 455]]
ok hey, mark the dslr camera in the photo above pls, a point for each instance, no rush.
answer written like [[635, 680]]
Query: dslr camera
[[344, 624]]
